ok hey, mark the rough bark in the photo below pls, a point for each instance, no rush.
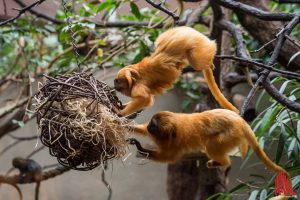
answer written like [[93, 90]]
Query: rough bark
[[188, 180], [264, 31]]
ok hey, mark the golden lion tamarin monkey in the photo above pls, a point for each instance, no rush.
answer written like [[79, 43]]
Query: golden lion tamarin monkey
[[175, 48], [215, 133]]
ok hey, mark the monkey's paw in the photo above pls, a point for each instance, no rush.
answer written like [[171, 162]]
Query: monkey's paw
[[212, 164]]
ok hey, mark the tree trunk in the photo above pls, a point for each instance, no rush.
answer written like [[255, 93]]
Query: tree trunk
[[191, 180], [265, 31]]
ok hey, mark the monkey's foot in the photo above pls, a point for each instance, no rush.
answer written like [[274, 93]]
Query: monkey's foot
[[213, 164], [133, 115]]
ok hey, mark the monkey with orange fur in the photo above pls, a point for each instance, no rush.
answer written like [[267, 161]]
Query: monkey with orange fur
[[175, 49], [215, 132]]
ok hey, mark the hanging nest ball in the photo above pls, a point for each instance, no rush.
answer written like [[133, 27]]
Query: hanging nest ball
[[78, 121]]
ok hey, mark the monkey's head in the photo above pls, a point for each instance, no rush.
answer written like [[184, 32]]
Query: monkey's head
[[126, 78], [161, 127]]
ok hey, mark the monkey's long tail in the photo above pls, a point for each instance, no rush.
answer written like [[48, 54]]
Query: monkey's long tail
[[214, 89], [250, 136]]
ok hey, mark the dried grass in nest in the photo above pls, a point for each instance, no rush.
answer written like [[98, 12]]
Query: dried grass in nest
[[76, 115]]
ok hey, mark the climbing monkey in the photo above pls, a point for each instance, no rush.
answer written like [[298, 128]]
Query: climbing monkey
[[175, 49]]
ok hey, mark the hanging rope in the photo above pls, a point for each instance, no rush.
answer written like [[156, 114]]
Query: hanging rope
[[72, 34]]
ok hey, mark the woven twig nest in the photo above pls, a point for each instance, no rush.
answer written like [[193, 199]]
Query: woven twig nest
[[76, 115]]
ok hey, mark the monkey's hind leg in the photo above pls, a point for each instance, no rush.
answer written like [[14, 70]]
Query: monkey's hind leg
[[218, 161], [202, 57]]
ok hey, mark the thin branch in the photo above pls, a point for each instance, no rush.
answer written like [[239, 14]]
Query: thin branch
[[231, 79], [160, 6], [21, 12], [292, 41], [79, 46], [24, 138], [9, 147], [123, 24], [8, 109], [289, 1], [252, 62], [35, 151], [263, 80], [196, 16], [117, 52], [18, 179], [4, 7], [273, 92], [38, 14], [241, 52], [261, 14], [264, 45], [237, 35]]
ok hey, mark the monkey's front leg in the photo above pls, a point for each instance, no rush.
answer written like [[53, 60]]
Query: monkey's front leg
[[140, 129], [136, 104], [150, 154]]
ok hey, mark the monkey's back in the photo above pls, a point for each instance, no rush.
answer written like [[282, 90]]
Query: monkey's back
[[180, 40], [219, 129]]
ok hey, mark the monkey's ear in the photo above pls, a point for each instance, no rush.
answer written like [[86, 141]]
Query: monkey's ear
[[131, 76], [128, 78], [134, 74]]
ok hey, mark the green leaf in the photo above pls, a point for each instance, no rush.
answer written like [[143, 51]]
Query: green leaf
[[263, 194], [293, 57], [102, 6], [81, 12], [238, 187], [135, 10], [268, 119], [291, 147], [283, 86], [261, 142], [253, 195], [19, 123], [280, 146], [214, 196], [185, 104], [295, 180]]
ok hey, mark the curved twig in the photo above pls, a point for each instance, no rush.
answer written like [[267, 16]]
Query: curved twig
[[21, 12], [261, 14]]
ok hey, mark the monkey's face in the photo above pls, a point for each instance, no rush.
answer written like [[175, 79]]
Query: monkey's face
[[161, 127], [125, 80]]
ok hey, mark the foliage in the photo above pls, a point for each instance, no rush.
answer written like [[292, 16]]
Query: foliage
[[42, 41]]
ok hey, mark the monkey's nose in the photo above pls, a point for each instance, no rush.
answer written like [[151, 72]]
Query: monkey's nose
[[116, 85]]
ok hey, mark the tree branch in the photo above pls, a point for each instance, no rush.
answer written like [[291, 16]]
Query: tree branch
[[263, 76], [21, 12], [160, 6], [123, 24], [273, 92], [18, 179], [241, 52], [267, 16], [289, 1], [38, 14], [231, 79], [252, 62]]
